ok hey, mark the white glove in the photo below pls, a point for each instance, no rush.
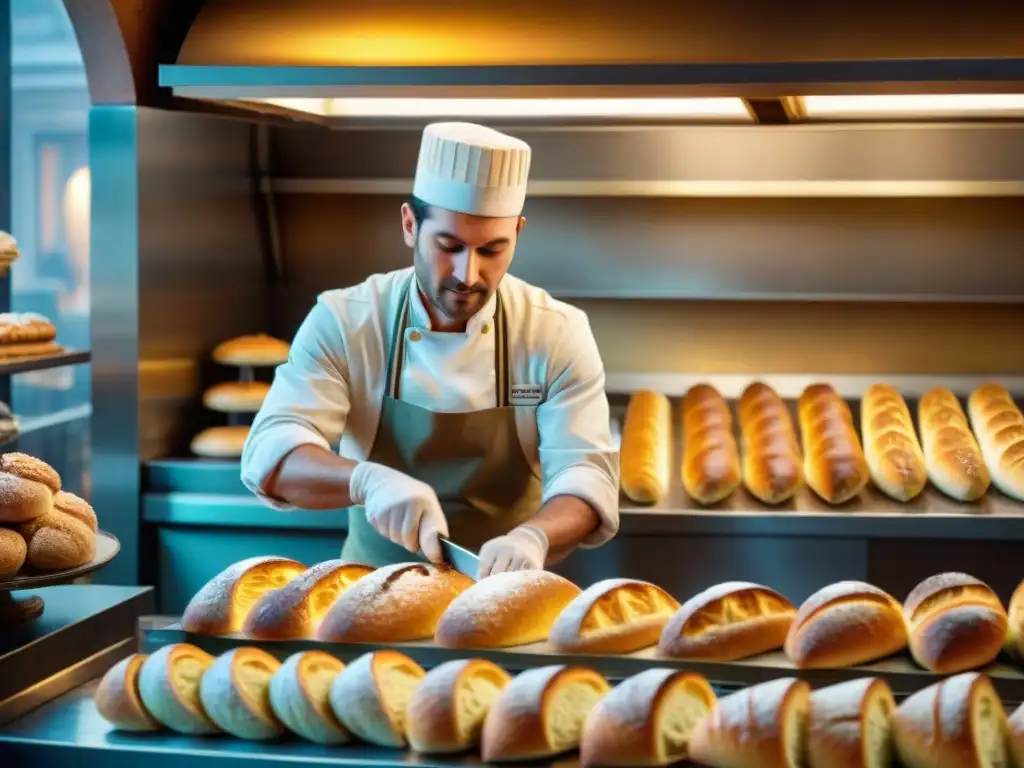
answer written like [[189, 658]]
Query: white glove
[[522, 549], [400, 508]]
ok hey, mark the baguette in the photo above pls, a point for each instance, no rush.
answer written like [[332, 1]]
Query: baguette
[[169, 688], [957, 722], [894, 456], [1015, 626], [299, 697], [834, 463], [646, 451], [729, 621], [370, 695], [763, 726], [234, 691], [848, 725], [117, 697], [505, 609], [646, 719], [540, 713], [772, 469], [845, 624], [711, 460], [952, 454], [999, 426], [956, 623], [446, 712], [613, 616]]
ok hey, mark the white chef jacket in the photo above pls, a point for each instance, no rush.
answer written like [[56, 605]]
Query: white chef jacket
[[330, 390]]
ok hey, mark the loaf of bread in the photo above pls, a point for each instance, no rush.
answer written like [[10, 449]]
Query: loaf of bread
[[711, 458], [728, 621], [17, 328], [299, 697], [613, 616], [57, 541], [951, 453], [772, 469], [999, 426], [393, 604], [834, 463], [236, 396], [234, 691], [27, 487], [646, 719], [370, 695], [762, 726], [541, 713], [220, 607], [169, 688], [1015, 732], [894, 455], [956, 623], [1015, 625], [12, 553], [447, 710], [220, 442], [848, 725], [117, 697], [257, 349], [845, 624], [505, 609], [646, 450], [296, 609], [958, 722]]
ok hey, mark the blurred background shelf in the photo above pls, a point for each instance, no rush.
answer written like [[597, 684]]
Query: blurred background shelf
[[42, 362]]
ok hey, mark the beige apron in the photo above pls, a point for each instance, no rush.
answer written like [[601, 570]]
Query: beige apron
[[472, 460]]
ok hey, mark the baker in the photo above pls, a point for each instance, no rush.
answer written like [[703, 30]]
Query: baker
[[465, 403]]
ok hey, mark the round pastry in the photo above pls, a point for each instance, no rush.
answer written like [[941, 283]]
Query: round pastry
[[76, 507], [30, 468], [257, 349], [169, 688], [236, 396], [234, 691], [57, 541], [13, 551], [220, 442], [299, 697], [117, 698], [27, 486]]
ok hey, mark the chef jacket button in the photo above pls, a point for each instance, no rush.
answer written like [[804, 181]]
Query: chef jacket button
[[485, 329], [415, 336]]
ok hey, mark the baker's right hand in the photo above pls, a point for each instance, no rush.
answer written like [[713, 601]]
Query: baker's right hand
[[400, 508]]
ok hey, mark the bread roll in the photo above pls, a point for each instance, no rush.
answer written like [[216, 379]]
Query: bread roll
[[299, 697], [370, 696], [76, 507], [236, 396], [12, 553], [894, 456], [505, 609], [834, 464], [999, 427], [957, 722], [763, 726], [728, 621], [296, 609], [220, 607], [646, 451], [711, 459], [56, 541], [446, 712], [952, 455], [257, 349], [1015, 625], [541, 713], [169, 688], [393, 604], [646, 719], [27, 486], [30, 468], [220, 442], [956, 622], [234, 691], [117, 697], [1015, 729], [772, 469], [848, 725], [613, 616], [25, 327], [845, 624]]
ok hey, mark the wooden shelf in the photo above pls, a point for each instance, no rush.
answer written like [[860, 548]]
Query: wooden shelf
[[10, 366]]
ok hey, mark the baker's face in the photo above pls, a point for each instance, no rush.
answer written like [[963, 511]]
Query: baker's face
[[460, 259]]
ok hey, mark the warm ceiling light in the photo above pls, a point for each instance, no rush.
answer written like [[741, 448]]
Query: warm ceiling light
[[918, 105]]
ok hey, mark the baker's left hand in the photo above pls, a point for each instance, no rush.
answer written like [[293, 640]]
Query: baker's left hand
[[522, 549]]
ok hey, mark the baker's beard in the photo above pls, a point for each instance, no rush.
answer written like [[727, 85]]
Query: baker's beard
[[453, 300]]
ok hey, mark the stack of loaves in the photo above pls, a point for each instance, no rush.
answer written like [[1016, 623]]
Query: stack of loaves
[[237, 398], [41, 526]]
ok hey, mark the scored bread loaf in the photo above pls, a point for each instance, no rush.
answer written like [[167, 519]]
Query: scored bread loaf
[[540, 713], [956, 623], [27, 487], [958, 722], [646, 719], [447, 710], [117, 697], [772, 469], [834, 463], [848, 725], [728, 621], [505, 609], [762, 726], [845, 624], [393, 604], [999, 426], [711, 459], [1015, 625], [1015, 733], [220, 607], [894, 455], [370, 695], [646, 451], [12, 553], [951, 452], [296, 609], [613, 616], [299, 697], [234, 691], [169, 688]]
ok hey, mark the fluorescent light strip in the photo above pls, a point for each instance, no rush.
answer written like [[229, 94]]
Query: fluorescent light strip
[[916, 105]]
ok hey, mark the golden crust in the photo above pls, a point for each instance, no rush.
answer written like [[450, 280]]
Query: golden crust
[[256, 349]]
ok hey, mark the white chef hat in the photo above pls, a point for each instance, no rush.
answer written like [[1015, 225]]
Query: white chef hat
[[472, 169]]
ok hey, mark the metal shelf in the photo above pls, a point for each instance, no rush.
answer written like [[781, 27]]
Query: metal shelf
[[9, 366]]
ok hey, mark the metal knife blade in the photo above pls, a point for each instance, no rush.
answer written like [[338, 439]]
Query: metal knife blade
[[461, 559]]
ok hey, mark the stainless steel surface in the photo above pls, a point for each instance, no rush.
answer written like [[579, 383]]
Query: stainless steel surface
[[41, 363], [107, 548], [461, 559]]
